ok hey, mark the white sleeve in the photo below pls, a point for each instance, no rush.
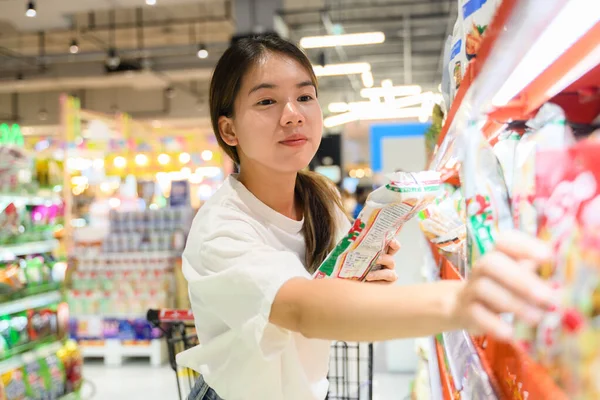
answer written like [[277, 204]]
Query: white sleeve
[[236, 275]]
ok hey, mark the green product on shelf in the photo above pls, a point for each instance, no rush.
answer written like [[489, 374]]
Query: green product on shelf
[[35, 385], [14, 385], [36, 271], [18, 329], [56, 377]]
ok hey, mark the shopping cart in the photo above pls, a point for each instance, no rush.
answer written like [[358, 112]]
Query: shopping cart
[[350, 370], [180, 333]]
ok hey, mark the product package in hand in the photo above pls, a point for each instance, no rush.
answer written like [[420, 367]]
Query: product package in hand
[[567, 199], [485, 193], [386, 210]]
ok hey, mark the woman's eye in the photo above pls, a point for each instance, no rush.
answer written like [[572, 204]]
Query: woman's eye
[[305, 98], [266, 102]]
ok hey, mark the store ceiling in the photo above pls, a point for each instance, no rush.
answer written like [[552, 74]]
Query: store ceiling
[[37, 49]]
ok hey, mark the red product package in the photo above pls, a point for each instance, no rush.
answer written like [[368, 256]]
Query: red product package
[[568, 203]]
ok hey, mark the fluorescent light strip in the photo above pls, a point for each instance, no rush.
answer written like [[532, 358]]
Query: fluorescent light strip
[[370, 114], [341, 69], [351, 39], [406, 90], [338, 107], [423, 98], [573, 21], [367, 79]]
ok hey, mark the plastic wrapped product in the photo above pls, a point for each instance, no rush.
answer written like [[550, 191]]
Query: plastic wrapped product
[[505, 150], [443, 224], [485, 194], [385, 211], [458, 62], [548, 131], [568, 202], [476, 383], [476, 16]]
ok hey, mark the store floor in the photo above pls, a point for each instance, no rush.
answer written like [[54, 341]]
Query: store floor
[[138, 380]]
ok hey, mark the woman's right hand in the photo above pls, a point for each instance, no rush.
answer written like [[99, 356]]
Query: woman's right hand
[[505, 281]]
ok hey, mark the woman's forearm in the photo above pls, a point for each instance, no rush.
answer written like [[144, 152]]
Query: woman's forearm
[[341, 310]]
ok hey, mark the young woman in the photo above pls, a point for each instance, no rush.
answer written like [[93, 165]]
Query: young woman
[[264, 326]]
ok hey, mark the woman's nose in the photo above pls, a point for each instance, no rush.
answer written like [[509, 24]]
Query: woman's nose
[[291, 115]]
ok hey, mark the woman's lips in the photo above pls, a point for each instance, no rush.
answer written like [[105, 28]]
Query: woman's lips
[[294, 142]]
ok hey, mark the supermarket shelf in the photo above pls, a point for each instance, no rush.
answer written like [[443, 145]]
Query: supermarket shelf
[[114, 350], [434, 371], [28, 347], [487, 75], [30, 291], [71, 396], [144, 254], [27, 303], [28, 357], [108, 316], [8, 252], [503, 360], [447, 387], [33, 200]]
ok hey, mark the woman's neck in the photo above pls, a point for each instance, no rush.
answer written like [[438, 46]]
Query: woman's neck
[[276, 190]]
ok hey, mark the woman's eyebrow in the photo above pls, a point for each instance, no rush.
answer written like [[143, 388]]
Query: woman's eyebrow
[[266, 85], [262, 86]]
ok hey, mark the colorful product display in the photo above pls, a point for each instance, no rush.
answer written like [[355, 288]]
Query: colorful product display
[[122, 283], [53, 372], [150, 230], [29, 273], [21, 223], [101, 328], [385, 211]]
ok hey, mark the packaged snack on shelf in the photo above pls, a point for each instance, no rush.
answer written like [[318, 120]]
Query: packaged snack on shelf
[[443, 224], [72, 359], [476, 15], [56, 377], [35, 380], [568, 203], [476, 383], [458, 62], [10, 279], [505, 150], [14, 385], [548, 130], [385, 211], [485, 194], [459, 349]]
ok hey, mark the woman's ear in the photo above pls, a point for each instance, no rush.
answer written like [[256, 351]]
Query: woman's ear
[[227, 131]]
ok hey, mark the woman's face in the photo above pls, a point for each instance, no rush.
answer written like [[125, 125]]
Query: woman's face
[[277, 121]]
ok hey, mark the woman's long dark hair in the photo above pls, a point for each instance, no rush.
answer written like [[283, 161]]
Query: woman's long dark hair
[[320, 201]]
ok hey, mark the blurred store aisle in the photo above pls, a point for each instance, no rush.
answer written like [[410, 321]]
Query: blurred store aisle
[[136, 379]]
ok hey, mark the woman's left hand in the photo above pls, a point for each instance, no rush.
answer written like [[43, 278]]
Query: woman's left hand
[[387, 272]]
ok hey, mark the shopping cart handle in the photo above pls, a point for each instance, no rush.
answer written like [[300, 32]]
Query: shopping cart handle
[[153, 316], [169, 315]]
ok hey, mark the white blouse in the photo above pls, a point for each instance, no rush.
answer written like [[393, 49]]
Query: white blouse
[[239, 253]]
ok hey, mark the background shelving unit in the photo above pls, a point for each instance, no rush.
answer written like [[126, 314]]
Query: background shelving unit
[[557, 74]]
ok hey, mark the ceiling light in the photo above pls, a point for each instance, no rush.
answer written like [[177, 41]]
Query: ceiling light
[[202, 52], [74, 47], [184, 158], [207, 155], [31, 12], [141, 160], [338, 107], [351, 39], [113, 60], [341, 69], [151, 2], [164, 159], [369, 114], [367, 79], [405, 90], [340, 119], [120, 162]]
